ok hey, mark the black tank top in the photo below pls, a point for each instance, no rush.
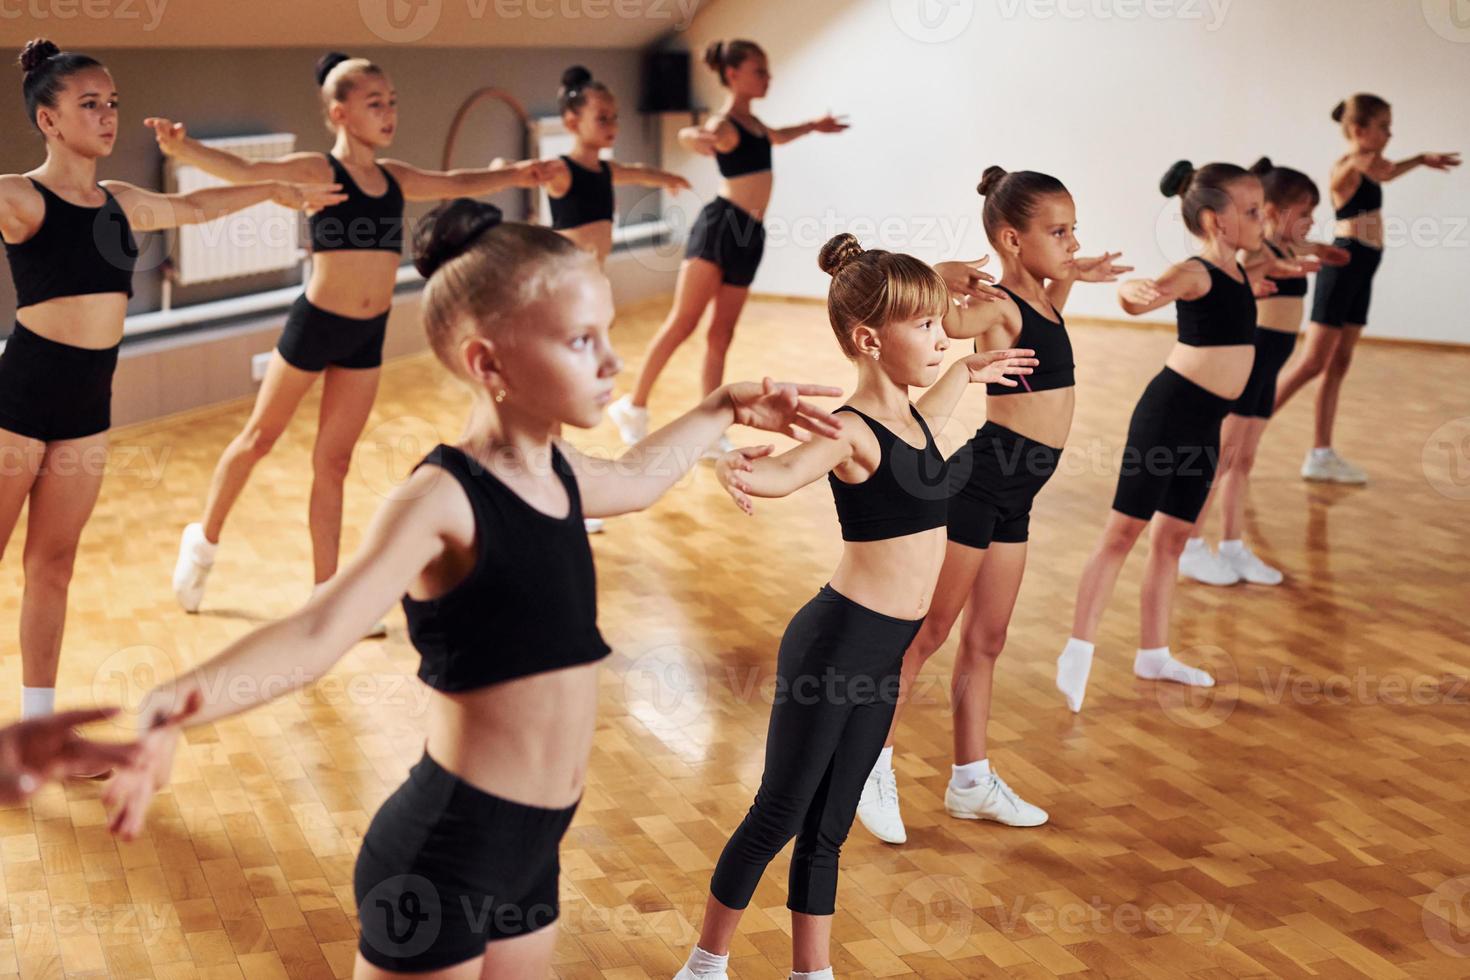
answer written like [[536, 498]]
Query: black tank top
[[751, 155], [1291, 285], [360, 223], [1368, 197], [76, 251], [1053, 352], [528, 606], [589, 199], [1222, 317], [907, 493]]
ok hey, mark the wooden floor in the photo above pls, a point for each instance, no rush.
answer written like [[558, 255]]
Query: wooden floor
[[1307, 817]]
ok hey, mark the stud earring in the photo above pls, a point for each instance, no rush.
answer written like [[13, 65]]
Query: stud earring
[[875, 355], [500, 396]]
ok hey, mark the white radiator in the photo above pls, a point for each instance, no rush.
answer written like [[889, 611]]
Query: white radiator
[[263, 238]]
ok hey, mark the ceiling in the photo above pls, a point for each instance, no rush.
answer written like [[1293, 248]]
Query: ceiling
[[82, 24]]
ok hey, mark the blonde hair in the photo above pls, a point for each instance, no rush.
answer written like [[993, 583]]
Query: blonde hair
[[1358, 110], [871, 287], [481, 271], [337, 74]]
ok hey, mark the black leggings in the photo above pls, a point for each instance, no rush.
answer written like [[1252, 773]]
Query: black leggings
[[837, 679]]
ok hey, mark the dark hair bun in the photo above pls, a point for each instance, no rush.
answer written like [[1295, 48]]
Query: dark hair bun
[[1176, 179], [714, 55], [35, 53], [575, 77], [989, 179], [326, 63], [1338, 111], [449, 230], [1262, 167], [839, 250]]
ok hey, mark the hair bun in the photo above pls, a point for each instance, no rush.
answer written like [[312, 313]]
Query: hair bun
[[449, 230], [1262, 167], [714, 55], [839, 250], [1338, 111], [575, 77], [326, 63], [35, 53], [989, 179], [1176, 179]]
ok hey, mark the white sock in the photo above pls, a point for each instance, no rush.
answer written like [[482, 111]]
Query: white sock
[[1322, 452], [1236, 547], [205, 550], [1195, 543], [37, 702], [1158, 665], [970, 774], [702, 963], [818, 975], [1073, 666], [885, 760]]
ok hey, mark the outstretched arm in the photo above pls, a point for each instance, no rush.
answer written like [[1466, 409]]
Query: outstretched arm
[[1095, 268], [642, 175], [174, 141], [755, 472], [152, 210], [987, 367], [439, 185], [1183, 280], [827, 124]]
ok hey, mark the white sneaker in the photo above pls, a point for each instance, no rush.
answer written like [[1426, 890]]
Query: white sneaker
[[878, 807], [1348, 473], [685, 974], [1245, 564], [720, 447], [594, 525], [1203, 565], [1328, 467], [992, 799], [191, 570], [632, 421]]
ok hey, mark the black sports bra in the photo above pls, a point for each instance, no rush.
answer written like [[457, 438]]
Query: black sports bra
[[77, 251], [528, 606], [1053, 348], [588, 199], [360, 223], [1223, 317], [1368, 197], [1290, 285], [907, 493], [751, 155]]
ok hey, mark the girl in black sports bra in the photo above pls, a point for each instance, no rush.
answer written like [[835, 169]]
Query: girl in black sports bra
[[336, 328], [1174, 435], [1340, 305], [1291, 197], [1029, 218], [71, 247], [727, 239], [839, 658], [484, 545], [580, 184]]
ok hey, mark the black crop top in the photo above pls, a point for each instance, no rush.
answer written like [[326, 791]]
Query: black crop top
[[77, 251], [1054, 368], [360, 223], [589, 199], [907, 493], [529, 604], [1368, 197], [1222, 317], [1291, 285], [751, 155]]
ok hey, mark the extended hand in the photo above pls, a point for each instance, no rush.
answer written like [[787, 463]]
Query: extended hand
[[778, 407]]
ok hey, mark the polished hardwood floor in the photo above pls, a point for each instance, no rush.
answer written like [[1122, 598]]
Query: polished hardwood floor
[[1307, 817]]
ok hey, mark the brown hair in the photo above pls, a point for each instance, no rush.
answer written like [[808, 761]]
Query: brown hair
[[576, 82], [46, 69], [1285, 186], [1013, 198], [1358, 110], [720, 55], [871, 287], [1205, 189], [336, 75], [481, 270]]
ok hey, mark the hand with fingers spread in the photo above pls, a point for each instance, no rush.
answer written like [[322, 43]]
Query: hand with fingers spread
[[674, 182], [169, 134], [830, 124], [1331, 254], [968, 283], [1138, 293], [1441, 161], [1100, 268], [730, 466], [310, 198], [38, 750], [128, 794], [779, 407], [1264, 287], [1000, 366]]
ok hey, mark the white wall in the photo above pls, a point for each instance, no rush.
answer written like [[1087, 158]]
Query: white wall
[[1104, 94]]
